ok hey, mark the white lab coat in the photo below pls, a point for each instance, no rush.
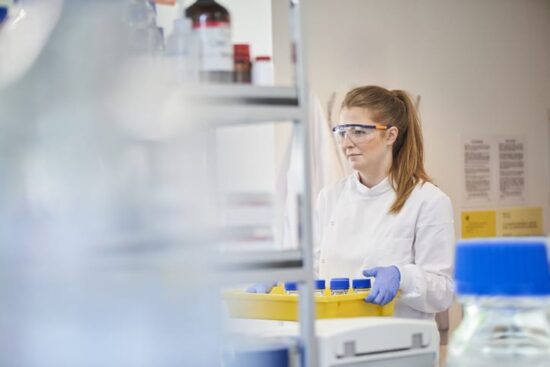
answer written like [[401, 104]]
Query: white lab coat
[[355, 231]]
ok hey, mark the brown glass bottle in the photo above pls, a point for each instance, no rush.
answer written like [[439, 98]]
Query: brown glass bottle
[[242, 65], [212, 24]]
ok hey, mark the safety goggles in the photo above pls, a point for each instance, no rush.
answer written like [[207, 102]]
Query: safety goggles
[[357, 133]]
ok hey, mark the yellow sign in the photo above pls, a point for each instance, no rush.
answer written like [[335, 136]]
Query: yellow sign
[[520, 222], [479, 224]]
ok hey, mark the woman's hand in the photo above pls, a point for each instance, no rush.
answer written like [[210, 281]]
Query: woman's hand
[[386, 284], [261, 287]]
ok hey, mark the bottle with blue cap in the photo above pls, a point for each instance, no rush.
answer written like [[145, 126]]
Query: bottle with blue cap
[[504, 285], [339, 286], [7, 8], [361, 285], [291, 288], [320, 287]]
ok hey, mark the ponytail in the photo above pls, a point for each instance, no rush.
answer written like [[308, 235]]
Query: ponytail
[[408, 153]]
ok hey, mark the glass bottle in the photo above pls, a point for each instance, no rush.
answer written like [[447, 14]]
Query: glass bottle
[[361, 285], [3, 12], [212, 23], [242, 65], [339, 286], [320, 287], [291, 288], [182, 52], [145, 36], [504, 285]]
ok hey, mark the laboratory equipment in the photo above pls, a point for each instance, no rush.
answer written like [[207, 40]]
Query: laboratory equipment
[[504, 284], [357, 133], [320, 287], [361, 285], [372, 342], [242, 66], [284, 307], [212, 23], [3, 12], [291, 288], [182, 51], [144, 35], [339, 286], [262, 71]]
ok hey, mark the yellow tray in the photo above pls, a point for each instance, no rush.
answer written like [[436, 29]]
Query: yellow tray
[[284, 307]]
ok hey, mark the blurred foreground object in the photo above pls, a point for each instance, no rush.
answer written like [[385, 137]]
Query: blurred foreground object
[[23, 33], [103, 219], [504, 284]]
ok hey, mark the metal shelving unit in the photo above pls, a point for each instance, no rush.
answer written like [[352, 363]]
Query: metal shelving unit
[[244, 104], [225, 105]]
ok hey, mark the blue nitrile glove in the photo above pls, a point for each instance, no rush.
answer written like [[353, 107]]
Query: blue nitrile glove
[[386, 284], [261, 287]]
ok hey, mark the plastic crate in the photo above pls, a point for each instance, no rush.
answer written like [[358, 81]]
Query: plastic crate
[[284, 307]]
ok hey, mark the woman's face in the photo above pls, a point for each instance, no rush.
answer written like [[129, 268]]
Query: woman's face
[[374, 149]]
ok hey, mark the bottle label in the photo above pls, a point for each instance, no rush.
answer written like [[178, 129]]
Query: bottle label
[[216, 49]]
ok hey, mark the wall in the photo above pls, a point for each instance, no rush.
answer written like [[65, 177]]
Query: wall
[[481, 67], [246, 158]]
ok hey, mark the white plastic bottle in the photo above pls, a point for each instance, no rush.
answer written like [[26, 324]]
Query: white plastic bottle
[[262, 71], [182, 52], [504, 285]]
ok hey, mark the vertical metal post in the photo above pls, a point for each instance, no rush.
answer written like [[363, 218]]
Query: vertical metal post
[[307, 301]]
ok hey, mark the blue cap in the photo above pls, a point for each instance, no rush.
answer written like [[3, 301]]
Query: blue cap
[[362, 283], [262, 355], [503, 267], [291, 286], [320, 284], [3, 13], [339, 283]]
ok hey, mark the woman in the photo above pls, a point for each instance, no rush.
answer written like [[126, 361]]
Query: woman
[[387, 220]]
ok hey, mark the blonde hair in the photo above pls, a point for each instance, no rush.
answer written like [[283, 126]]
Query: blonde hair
[[395, 108]]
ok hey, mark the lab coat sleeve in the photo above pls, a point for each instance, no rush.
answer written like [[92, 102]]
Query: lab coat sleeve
[[427, 284], [317, 234]]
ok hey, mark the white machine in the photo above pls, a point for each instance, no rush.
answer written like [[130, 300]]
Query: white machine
[[377, 342], [364, 342]]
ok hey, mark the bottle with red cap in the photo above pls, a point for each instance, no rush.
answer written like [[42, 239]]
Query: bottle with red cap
[[262, 72], [242, 66], [212, 23]]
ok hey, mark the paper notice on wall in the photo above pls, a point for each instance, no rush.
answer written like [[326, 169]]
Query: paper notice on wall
[[477, 170], [502, 222], [511, 169], [520, 222], [481, 223]]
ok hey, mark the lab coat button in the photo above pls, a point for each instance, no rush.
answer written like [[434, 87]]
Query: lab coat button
[[331, 223]]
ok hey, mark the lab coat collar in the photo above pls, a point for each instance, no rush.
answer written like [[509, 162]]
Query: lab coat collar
[[377, 190]]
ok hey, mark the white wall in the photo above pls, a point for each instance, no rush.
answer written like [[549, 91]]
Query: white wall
[[246, 155], [481, 67]]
